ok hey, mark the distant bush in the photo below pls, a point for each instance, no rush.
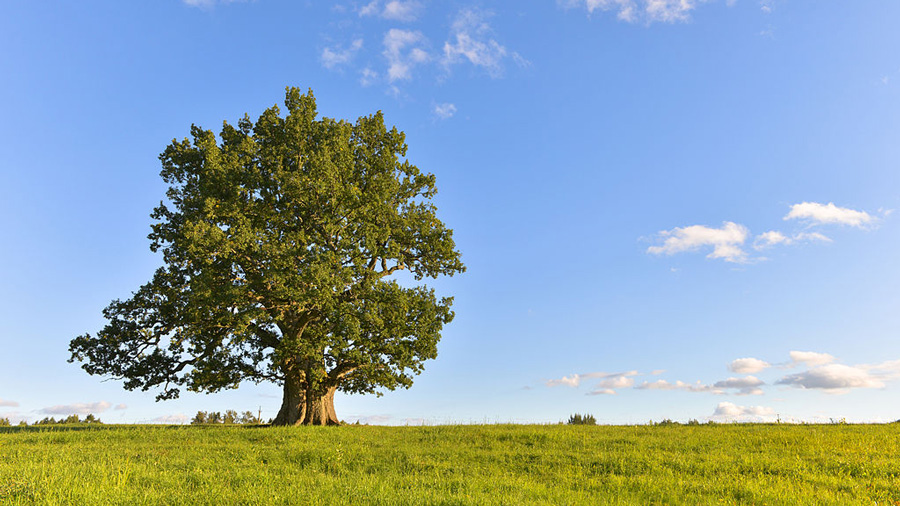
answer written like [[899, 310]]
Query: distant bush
[[4, 422], [665, 422], [231, 417], [579, 419]]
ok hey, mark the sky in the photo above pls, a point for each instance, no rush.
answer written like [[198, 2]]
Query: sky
[[674, 209]]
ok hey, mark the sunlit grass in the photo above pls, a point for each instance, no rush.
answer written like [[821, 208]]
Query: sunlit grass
[[489, 465]]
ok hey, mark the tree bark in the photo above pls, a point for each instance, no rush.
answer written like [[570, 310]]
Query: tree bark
[[301, 405], [293, 404], [320, 409]]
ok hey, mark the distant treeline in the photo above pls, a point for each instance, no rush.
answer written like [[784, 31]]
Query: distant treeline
[[69, 420], [230, 417]]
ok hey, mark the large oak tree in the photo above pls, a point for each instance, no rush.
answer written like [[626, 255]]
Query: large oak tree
[[281, 240]]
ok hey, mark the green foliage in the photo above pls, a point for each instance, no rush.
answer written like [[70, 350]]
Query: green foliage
[[463, 465], [69, 420], [281, 240], [4, 422], [231, 417], [579, 419]]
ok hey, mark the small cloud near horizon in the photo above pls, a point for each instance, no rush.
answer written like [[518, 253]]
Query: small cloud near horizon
[[728, 411], [77, 408]]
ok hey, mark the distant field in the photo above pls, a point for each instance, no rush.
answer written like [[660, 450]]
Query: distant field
[[479, 465]]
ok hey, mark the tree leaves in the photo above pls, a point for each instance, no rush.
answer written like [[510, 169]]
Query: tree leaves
[[280, 240]]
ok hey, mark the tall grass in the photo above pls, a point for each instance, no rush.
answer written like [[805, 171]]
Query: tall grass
[[484, 465]]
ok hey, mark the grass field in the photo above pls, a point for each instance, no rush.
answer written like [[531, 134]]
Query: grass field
[[483, 465]]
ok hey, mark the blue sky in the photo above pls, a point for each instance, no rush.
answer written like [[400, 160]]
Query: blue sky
[[668, 208]]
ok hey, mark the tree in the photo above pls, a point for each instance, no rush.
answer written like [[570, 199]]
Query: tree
[[199, 418], [248, 418], [282, 242], [579, 419]]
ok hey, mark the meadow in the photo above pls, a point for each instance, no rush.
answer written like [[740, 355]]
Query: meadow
[[455, 465]]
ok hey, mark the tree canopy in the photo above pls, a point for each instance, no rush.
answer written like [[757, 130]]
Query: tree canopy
[[280, 241]]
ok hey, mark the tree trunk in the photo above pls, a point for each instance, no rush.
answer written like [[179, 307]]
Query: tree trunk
[[293, 404], [304, 406], [320, 409]]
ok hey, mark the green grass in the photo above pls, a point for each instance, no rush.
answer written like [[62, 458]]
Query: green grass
[[483, 465]]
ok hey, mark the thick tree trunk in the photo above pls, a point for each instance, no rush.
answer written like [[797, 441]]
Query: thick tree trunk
[[302, 406], [320, 409], [293, 404]]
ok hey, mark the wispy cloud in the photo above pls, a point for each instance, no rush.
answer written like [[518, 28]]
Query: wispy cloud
[[636, 11], [207, 4], [678, 385], [394, 10], [404, 49], [726, 241], [8, 403], [608, 380], [445, 110], [77, 408], [773, 238], [573, 380], [120, 407], [472, 40], [338, 55], [367, 76], [172, 419], [820, 214]]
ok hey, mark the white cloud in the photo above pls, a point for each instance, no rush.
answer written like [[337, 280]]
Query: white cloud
[[77, 408], [678, 385], [375, 419], [337, 55], [445, 110], [726, 241], [632, 11], [569, 381], [401, 11], [769, 239], [835, 377], [727, 411], [369, 9], [774, 237], [172, 419], [403, 50], [576, 379], [471, 39], [748, 385], [602, 391], [810, 358], [820, 214], [8, 403], [609, 380], [617, 381], [367, 76], [748, 365], [120, 407], [395, 10]]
